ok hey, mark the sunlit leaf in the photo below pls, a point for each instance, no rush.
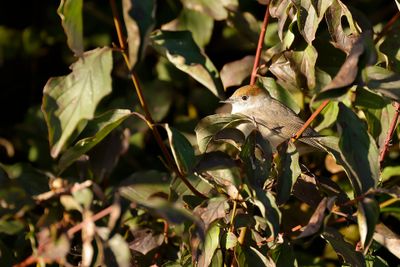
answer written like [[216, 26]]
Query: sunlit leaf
[[70, 12], [71, 100], [104, 124], [387, 238], [140, 186], [310, 13], [211, 243], [209, 126], [216, 9], [382, 80], [180, 49], [281, 10], [198, 23], [279, 93], [359, 151], [367, 217], [333, 17], [119, 247], [305, 64], [139, 17], [329, 113]]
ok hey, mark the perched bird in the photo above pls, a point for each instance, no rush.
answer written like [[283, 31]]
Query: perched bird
[[274, 120]]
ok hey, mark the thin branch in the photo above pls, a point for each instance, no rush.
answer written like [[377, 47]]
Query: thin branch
[[139, 92], [389, 135], [259, 47], [308, 122], [73, 230], [387, 27]]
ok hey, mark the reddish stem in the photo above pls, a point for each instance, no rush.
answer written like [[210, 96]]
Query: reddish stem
[[389, 135], [308, 122], [387, 27], [259, 47]]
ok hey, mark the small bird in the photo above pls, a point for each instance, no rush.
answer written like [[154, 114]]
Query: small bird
[[274, 120]]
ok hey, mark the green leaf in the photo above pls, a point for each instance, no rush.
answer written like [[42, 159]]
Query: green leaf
[[283, 255], [246, 25], [257, 157], [265, 201], [309, 15], [250, 256], [288, 168], [140, 186], [120, 249], [199, 24], [104, 123], [329, 113], [181, 50], [139, 17], [390, 47], [359, 151], [71, 100], [84, 197], [368, 99], [70, 12], [305, 64], [382, 80], [342, 248], [279, 93], [216, 9], [211, 243], [182, 150], [209, 126], [367, 217], [389, 172], [11, 227], [231, 240]]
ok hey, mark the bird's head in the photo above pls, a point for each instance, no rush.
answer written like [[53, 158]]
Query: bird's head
[[249, 96]]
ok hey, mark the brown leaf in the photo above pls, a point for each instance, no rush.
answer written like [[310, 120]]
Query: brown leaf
[[234, 73], [145, 240]]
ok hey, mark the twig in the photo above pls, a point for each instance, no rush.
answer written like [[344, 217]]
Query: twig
[[259, 47], [387, 27], [389, 135], [139, 92], [308, 122], [73, 230]]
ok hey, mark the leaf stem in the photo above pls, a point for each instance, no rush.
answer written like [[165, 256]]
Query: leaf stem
[[391, 130], [139, 92], [259, 47]]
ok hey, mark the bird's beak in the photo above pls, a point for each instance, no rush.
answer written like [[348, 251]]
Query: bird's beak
[[227, 101]]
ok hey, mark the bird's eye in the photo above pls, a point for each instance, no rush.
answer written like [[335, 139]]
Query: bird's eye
[[245, 97]]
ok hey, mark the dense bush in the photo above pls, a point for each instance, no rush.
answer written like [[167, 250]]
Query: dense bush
[[130, 160]]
